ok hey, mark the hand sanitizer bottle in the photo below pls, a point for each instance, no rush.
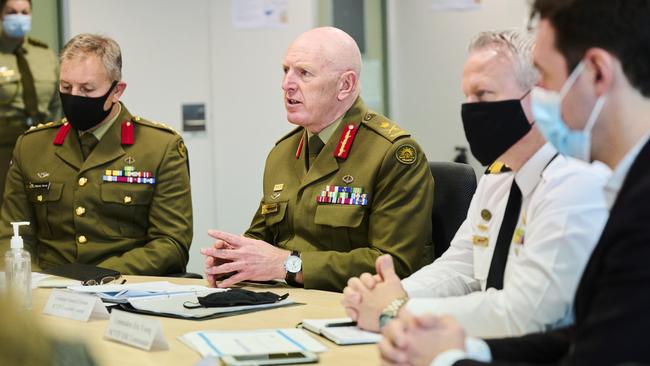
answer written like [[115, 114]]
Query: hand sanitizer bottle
[[18, 270]]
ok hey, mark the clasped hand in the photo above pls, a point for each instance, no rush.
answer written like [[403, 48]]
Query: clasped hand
[[244, 258]]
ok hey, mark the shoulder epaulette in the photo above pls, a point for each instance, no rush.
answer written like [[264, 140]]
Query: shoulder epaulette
[[154, 124], [383, 126], [293, 132], [44, 126], [37, 43]]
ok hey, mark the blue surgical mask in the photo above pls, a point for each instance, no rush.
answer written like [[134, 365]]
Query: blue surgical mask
[[16, 25], [547, 111]]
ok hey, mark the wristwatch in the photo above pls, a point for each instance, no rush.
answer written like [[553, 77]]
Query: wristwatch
[[293, 265], [391, 311]]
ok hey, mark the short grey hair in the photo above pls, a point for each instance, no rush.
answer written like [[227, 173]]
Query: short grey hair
[[516, 45], [104, 47]]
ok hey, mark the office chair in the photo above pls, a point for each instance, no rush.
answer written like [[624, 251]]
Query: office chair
[[455, 184]]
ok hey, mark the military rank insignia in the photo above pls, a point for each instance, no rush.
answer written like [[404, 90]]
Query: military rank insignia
[[62, 133], [345, 142], [128, 175], [343, 196], [481, 241], [127, 133]]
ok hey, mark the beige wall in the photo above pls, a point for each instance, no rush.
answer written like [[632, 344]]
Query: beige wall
[[45, 25]]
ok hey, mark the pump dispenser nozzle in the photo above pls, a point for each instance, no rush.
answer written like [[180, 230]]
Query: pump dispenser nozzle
[[17, 240]]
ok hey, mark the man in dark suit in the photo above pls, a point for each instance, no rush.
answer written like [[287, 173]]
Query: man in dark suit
[[593, 103]]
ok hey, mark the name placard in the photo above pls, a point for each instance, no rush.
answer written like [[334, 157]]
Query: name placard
[[75, 306], [135, 330]]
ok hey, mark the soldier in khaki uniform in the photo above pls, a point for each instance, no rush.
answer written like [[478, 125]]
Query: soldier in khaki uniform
[[101, 186], [28, 80], [340, 190]]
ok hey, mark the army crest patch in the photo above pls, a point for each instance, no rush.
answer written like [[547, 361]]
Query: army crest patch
[[406, 154]]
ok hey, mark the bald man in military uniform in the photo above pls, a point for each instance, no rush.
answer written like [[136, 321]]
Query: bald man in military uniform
[[28, 80], [101, 186], [345, 187]]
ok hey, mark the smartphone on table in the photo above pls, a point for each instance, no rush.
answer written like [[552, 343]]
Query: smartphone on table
[[270, 359]]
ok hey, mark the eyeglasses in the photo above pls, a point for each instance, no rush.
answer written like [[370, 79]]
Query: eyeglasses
[[104, 281]]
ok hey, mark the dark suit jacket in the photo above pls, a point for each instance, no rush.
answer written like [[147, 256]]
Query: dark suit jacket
[[612, 304]]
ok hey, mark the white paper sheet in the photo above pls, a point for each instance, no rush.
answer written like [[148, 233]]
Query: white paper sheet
[[247, 14], [121, 293], [263, 341]]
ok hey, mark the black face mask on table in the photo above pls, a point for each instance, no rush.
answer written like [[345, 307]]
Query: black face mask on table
[[84, 113], [491, 128], [235, 297]]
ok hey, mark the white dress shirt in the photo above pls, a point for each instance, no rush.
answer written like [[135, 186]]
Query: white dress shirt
[[562, 216]]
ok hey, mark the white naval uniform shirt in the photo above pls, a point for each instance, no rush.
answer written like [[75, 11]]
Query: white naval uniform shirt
[[563, 213], [477, 349]]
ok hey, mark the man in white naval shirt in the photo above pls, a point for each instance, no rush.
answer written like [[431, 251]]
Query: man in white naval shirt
[[514, 264], [592, 103]]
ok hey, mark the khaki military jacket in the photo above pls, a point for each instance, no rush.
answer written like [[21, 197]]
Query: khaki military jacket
[[338, 241], [77, 215], [45, 71]]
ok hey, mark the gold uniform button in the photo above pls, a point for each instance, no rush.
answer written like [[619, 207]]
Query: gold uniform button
[[83, 181], [80, 211], [127, 199], [82, 239], [39, 198]]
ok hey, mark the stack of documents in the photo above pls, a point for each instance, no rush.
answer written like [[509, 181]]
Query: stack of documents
[[341, 331], [255, 342], [122, 293], [172, 306], [166, 299]]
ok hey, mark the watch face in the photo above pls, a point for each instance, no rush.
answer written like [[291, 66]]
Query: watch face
[[293, 264], [384, 319]]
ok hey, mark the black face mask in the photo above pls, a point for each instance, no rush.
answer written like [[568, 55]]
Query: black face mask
[[84, 113], [491, 128], [235, 297]]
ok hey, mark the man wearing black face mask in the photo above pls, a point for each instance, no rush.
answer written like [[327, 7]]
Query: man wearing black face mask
[[101, 186], [514, 264]]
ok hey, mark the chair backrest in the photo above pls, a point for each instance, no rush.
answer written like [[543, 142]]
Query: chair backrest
[[455, 185]]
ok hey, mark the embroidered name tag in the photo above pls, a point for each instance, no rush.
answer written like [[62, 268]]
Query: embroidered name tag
[[41, 186], [268, 208]]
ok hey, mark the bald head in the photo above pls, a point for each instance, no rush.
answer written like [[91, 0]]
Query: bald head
[[321, 77], [336, 48]]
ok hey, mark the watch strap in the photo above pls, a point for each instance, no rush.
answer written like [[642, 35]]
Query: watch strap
[[392, 310]]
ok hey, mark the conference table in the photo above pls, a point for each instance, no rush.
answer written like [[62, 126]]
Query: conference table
[[317, 304]]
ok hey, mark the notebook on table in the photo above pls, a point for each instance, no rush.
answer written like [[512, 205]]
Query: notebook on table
[[341, 331]]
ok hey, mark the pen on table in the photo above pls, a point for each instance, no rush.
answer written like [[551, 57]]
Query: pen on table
[[343, 324]]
